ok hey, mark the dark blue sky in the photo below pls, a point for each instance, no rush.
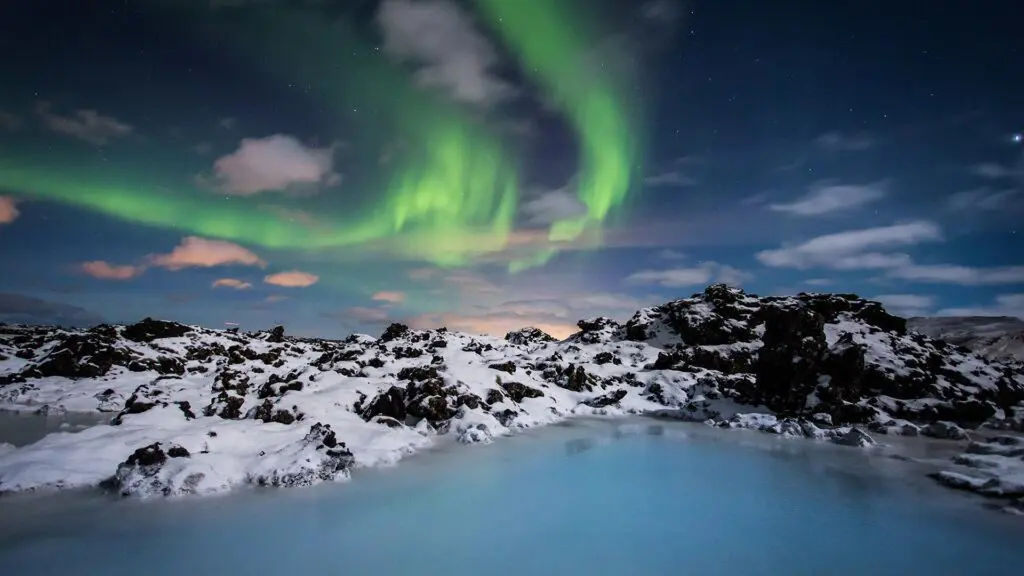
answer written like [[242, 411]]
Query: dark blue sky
[[261, 162]]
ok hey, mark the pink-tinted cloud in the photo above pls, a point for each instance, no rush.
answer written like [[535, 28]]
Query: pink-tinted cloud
[[493, 325], [107, 271], [196, 252], [274, 163], [292, 279], [231, 283], [389, 296], [275, 298], [8, 211]]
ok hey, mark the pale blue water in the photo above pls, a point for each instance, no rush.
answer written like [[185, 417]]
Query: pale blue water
[[601, 498]]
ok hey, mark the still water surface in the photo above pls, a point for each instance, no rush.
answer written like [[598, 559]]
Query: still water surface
[[631, 498]]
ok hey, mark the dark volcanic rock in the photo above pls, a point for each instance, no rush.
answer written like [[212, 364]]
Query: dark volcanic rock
[[518, 392], [390, 404], [606, 399], [790, 359], [149, 329], [528, 336]]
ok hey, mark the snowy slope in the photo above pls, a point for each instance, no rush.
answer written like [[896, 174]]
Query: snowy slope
[[197, 411], [998, 337]]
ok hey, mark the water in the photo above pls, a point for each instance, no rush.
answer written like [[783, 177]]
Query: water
[[21, 429], [630, 498]]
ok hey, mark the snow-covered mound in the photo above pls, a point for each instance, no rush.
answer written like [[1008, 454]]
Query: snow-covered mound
[[997, 337], [196, 410]]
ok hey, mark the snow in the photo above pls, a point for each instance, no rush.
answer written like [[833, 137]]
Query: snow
[[245, 406]]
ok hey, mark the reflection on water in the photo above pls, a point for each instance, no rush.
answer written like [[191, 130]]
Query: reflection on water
[[633, 499]]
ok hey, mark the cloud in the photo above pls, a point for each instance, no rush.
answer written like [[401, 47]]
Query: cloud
[[826, 198], [854, 249], [670, 178], [669, 254], [292, 279], [389, 296], [962, 275], [553, 206], [227, 123], [231, 283], [907, 305], [8, 210], [492, 325], [88, 125], [275, 298], [106, 271], [819, 282], [275, 163], [196, 252], [662, 11], [452, 55], [839, 142], [993, 171], [364, 314], [18, 309], [1004, 305], [986, 199], [701, 275], [10, 122]]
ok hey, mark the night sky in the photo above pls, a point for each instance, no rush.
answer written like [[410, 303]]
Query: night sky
[[336, 165]]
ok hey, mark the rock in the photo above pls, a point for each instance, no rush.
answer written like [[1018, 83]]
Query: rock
[[276, 334], [393, 332], [945, 431], [529, 336], [507, 367], [606, 399], [790, 361], [389, 404], [855, 437], [519, 392], [149, 329]]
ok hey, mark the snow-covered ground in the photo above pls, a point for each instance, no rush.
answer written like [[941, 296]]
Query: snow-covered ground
[[198, 411], [1000, 337]]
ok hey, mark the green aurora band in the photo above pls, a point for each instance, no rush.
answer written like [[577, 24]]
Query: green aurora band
[[450, 195], [550, 38]]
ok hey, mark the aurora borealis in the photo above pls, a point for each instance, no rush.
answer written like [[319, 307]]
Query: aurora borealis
[[338, 164]]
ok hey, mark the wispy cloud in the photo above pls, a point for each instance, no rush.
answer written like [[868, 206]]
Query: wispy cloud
[[840, 142], [854, 249], [277, 163], [10, 122], [292, 279], [702, 274], [389, 296], [451, 54], [670, 178], [961, 275], [231, 283], [87, 125], [907, 305], [1011, 305], [993, 171], [827, 197], [987, 200], [552, 206]]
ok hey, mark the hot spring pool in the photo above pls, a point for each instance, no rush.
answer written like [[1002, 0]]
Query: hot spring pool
[[622, 497]]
